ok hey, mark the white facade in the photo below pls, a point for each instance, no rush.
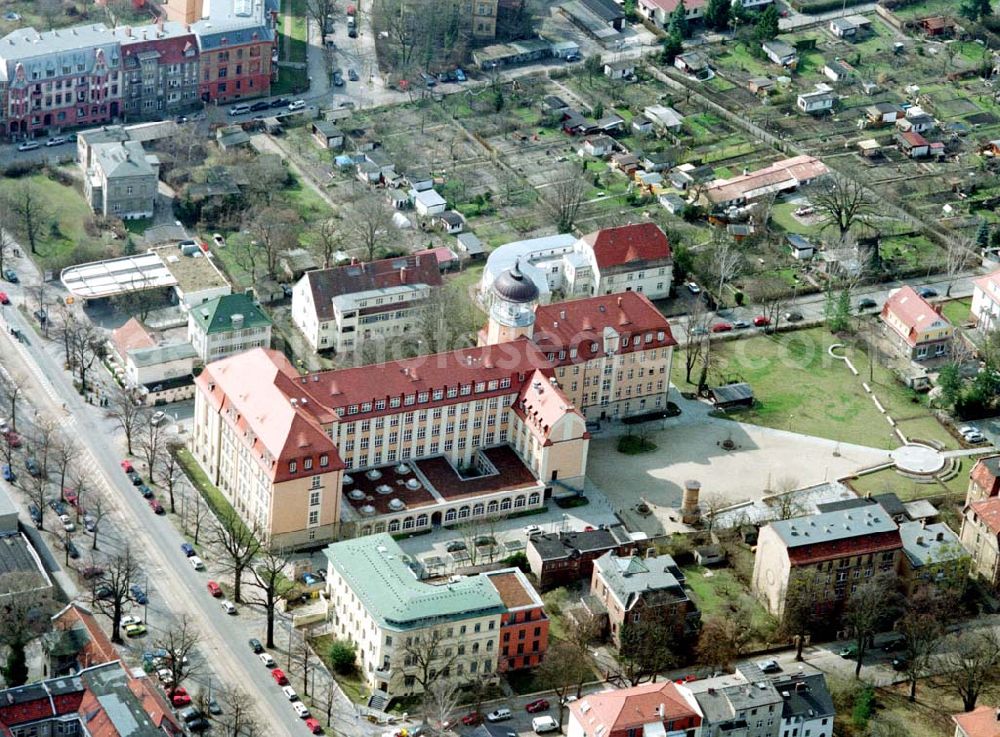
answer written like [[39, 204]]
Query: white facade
[[144, 366], [217, 345], [986, 301]]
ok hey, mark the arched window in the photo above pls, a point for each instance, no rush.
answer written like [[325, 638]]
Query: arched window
[[493, 506], [366, 530], [394, 525], [519, 501], [463, 512], [408, 523], [450, 515], [533, 498], [478, 510], [421, 520]]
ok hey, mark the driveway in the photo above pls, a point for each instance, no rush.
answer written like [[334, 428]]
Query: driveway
[[691, 447]]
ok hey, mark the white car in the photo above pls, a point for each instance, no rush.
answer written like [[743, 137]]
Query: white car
[[693, 288], [267, 660], [301, 709], [975, 437], [28, 146], [543, 724], [130, 619], [67, 523], [968, 430], [240, 109], [158, 417], [165, 675], [227, 606], [197, 563], [499, 715], [532, 530], [289, 693], [296, 105], [56, 141]]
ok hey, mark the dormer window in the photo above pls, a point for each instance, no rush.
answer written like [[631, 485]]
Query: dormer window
[[352, 410], [394, 402], [379, 404], [480, 386], [466, 389], [660, 335], [324, 461], [438, 394], [452, 391], [504, 383], [366, 407], [593, 347], [423, 397], [293, 467], [307, 464], [649, 337]]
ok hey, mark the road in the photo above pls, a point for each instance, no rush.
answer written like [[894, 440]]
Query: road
[[156, 539]]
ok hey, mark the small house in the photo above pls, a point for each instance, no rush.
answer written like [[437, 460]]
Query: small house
[[731, 396], [610, 124], [553, 105], [869, 148], [664, 117], [368, 172], [687, 176], [709, 555], [568, 50], [919, 123], [673, 203], [447, 259], [649, 181], [428, 202], [624, 69], [869, 87], [818, 101], [419, 180], [625, 162], [760, 85], [398, 198], [386, 167], [913, 144], [883, 113], [597, 146], [838, 70], [229, 137], [449, 221], [657, 160], [471, 246], [937, 25], [800, 246], [936, 149], [843, 28], [740, 231], [642, 124], [780, 53], [327, 134], [691, 63]]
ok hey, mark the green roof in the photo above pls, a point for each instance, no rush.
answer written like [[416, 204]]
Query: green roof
[[216, 315], [376, 570]]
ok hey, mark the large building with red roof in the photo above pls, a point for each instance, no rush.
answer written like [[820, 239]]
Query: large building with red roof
[[648, 710], [915, 326], [838, 549]]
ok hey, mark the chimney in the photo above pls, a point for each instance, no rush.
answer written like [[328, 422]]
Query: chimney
[[294, 401], [237, 321], [690, 511], [920, 539], [662, 710], [619, 301], [402, 275], [923, 523], [128, 31], [562, 314], [939, 537]]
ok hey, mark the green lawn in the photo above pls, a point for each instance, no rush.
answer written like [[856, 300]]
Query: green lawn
[[716, 587], [957, 310], [801, 388], [781, 214], [294, 50], [907, 489], [66, 208], [353, 687], [213, 497]]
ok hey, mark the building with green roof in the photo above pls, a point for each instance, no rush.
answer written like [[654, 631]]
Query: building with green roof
[[399, 622], [227, 325]]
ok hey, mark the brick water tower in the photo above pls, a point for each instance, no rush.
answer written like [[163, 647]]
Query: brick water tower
[[690, 511]]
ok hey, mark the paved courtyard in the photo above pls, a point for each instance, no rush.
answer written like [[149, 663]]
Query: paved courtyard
[[691, 447]]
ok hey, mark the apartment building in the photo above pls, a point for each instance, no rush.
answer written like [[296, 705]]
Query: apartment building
[[980, 533], [916, 328], [160, 69], [524, 626], [633, 589], [481, 17], [932, 555], [397, 621], [663, 709], [237, 54], [986, 301], [561, 558], [122, 180], [341, 307], [227, 325], [840, 549]]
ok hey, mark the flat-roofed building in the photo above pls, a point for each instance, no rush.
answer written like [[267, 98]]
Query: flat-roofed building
[[524, 626]]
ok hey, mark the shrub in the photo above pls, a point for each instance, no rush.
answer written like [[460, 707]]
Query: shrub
[[342, 657], [19, 169]]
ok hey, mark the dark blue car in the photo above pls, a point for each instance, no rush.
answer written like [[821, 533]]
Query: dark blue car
[[138, 595], [187, 549]]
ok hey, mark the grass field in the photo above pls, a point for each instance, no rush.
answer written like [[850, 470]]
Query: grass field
[[907, 489], [801, 388], [716, 587], [294, 50], [957, 310], [353, 687]]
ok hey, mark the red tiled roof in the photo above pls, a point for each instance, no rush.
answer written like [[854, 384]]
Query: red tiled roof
[[326, 284], [154, 703], [563, 326], [984, 474], [630, 708], [983, 721], [442, 254], [914, 139], [988, 510], [915, 312], [834, 549], [628, 244], [132, 334], [98, 648], [541, 404], [511, 474], [512, 590]]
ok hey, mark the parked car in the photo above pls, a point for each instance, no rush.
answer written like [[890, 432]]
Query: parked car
[[32, 466], [693, 288], [761, 322], [793, 316], [971, 434], [130, 619], [136, 630], [532, 530], [741, 325], [165, 675], [289, 693], [188, 549], [197, 563], [499, 715], [58, 506], [850, 652], [135, 478], [179, 696], [699, 330], [280, 102], [428, 79], [89, 523], [722, 327], [543, 724], [157, 508], [460, 75], [260, 105], [35, 513], [215, 590], [472, 719], [454, 546], [769, 666], [41, 315], [338, 79], [352, 74], [228, 607], [56, 141], [310, 579], [103, 593], [213, 707], [127, 466], [867, 303], [352, 32], [138, 595], [301, 709], [146, 492], [8, 473], [238, 110], [70, 496], [91, 572], [279, 676], [28, 146], [4, 299], [266, 659], [296, 105], [314, 726], [11, 276], [72, 551], [927, 292], [67, 523], [536, 706], [158, 417]]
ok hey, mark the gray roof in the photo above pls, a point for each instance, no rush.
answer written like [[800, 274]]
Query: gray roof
[[17, 556], [127, 159], [632, 578], [833, 526], [804, 695], [7, 506], [327, 128], [471, 243], [39, 52], [556, 545], [732, 393], [723, 698], [930, 544], [779, 47], [142, 357], [109, 683]]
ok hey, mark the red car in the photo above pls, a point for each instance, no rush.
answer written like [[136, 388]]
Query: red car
[[722, 327], [214, 589], [761, 321], [279, 677], [472, 719], [4, 299], [314, 726], [536, 706], [179, 696], [155, 505], [686, 679], [127, 466], [70, 496], [13, 439]]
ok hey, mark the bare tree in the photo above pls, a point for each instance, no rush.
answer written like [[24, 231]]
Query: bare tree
[[267, 175], [972, 662], [171, 472], [239, 718], [23, 616], [248, 254], [647, 649], [97, 510], [197, 511], [724, 637], [180, 640], [842, 201], [14, 386], [36, 488], [957, 257], [696, 336], [64, 452], [137, 300], [368, 227], [565, 193], [562, 670], [426, 657], [303, 654], [322, 13], [276, 230], [43, 442], [327, 234], [440, 701], [771, 295], [800, 618], [112, 593], [31, 214], [151, 447], [726, 264], [239, 544], [127, 412], [7, 244], [86, 345], [268, 577], [923, 628], [873, 604]]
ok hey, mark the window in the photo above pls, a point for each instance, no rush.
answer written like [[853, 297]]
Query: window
[[307, 464], [293, 467], [314, 499], [324, 461], [314, 517]]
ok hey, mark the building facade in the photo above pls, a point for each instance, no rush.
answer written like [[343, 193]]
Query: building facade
[[839, 550], [481, 17], [524, 626], [980, 533], [122, 180], [341, 307], [561, 558], [237, 57], [228, 325], [986, 301], [916, 327], [160, 67]]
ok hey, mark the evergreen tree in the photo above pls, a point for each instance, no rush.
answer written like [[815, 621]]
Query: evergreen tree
[[677, 24], [598, 110], [975, 9], [983, 234], [766, 27], [717, 14], [672, 46]]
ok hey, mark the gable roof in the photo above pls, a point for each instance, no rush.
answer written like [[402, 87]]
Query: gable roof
[[988, 510], [628, 244], [983, 721], [327, 284], [131, 335], [913, 139], [542, 404], [602, 714], [986, 474], [216, 315], [914, 312], [783, 174]]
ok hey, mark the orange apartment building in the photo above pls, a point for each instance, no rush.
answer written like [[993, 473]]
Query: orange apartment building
[[524, 626]]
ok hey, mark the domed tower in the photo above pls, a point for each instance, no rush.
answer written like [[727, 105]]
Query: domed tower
[[512, 314]]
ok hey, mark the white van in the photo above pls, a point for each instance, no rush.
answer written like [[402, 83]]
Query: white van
[[301, 709], [543, 724], [290, 693], [197, 563], [239, 109], [267, 660]]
